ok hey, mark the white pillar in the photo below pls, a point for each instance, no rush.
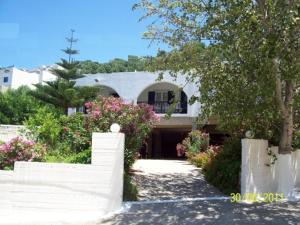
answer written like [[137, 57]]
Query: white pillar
[[108, 154], [296, 167], [255, 174], [286, 175]]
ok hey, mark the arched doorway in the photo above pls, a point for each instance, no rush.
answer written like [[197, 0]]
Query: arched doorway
[[107, 91], [164, 97]]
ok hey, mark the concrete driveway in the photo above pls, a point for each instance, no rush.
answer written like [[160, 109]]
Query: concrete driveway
[[175, 192], [170, 179]]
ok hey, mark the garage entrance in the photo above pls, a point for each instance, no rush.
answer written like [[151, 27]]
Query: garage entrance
[[163, 141]]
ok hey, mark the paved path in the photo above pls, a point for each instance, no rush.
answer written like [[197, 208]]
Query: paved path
[[215, 212], [170, 179], [174, 180]]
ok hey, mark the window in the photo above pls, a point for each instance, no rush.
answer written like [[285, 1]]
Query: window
[[5, 79], [161, 96]]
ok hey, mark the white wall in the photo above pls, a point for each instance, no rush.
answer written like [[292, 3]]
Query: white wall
[[5, 73], [259, 176], [17, 77], [129, 85], [7, 132], [67, 193], [46, 76], [20, 78]]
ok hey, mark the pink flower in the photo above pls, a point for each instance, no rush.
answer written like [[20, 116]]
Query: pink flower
[[96, 114], [88, 104]]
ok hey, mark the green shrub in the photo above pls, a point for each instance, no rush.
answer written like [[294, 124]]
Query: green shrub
[[59, 153], [296, 140], [74, 132], [17, 105], [194, 143], [44, 127], [223, 170], [84, 157], [129, 190]]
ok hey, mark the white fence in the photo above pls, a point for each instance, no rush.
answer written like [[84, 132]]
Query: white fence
[[259, 175], [58, 193], [7, 132]]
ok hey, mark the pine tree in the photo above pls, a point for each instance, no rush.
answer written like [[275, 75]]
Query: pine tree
[[62, 92]]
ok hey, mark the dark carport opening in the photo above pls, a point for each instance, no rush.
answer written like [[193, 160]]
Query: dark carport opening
[[163, 141]]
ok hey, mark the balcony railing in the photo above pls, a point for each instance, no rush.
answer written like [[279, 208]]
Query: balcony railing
[[162, 107]]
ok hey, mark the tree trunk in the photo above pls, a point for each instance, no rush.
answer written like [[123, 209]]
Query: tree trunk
[[286, 136], [287, 128], [285, 103]]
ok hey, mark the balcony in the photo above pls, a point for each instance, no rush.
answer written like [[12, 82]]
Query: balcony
[[162, 107]]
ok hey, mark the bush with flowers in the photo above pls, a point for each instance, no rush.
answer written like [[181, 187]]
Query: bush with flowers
[[73, 134], [136, 122], [19, 149], [202, 158], [223, 170], [194, 143], [221, 165], [197, 149]]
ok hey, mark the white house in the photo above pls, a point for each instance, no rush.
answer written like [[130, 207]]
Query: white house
[[143, 87], [134, 87], [13, 78]]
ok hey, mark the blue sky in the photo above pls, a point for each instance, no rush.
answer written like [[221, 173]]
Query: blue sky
[[32, 32]]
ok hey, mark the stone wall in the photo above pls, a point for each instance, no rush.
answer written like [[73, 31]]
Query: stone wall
[[259, 175], [57, 192]]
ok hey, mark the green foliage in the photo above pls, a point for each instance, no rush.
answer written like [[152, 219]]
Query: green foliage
[[43, 127], [63, 154], [194, 143], [221, 165], [59, 153], [74, 132], [250, 71], [129, 191], [17, 105], [84, 157], [296, 141], [133, 63], [223, 170], [196, 148], [69, 137]]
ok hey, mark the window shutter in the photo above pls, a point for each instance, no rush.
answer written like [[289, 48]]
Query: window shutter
[[183, 102], [151, 97], [171, 97]]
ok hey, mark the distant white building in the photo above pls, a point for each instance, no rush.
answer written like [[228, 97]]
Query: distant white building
[[13, 78]]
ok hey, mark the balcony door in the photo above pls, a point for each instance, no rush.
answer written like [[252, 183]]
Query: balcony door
[[161, 101]]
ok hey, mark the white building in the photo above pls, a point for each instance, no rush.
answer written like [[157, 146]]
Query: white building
[[13, 78], [143, 87], [134, 87]]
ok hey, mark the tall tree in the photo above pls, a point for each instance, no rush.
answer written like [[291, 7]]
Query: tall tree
[[62, 92], [250, 71]]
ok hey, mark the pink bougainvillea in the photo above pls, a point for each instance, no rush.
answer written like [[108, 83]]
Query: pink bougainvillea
[[136, 122], [19, 149]]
